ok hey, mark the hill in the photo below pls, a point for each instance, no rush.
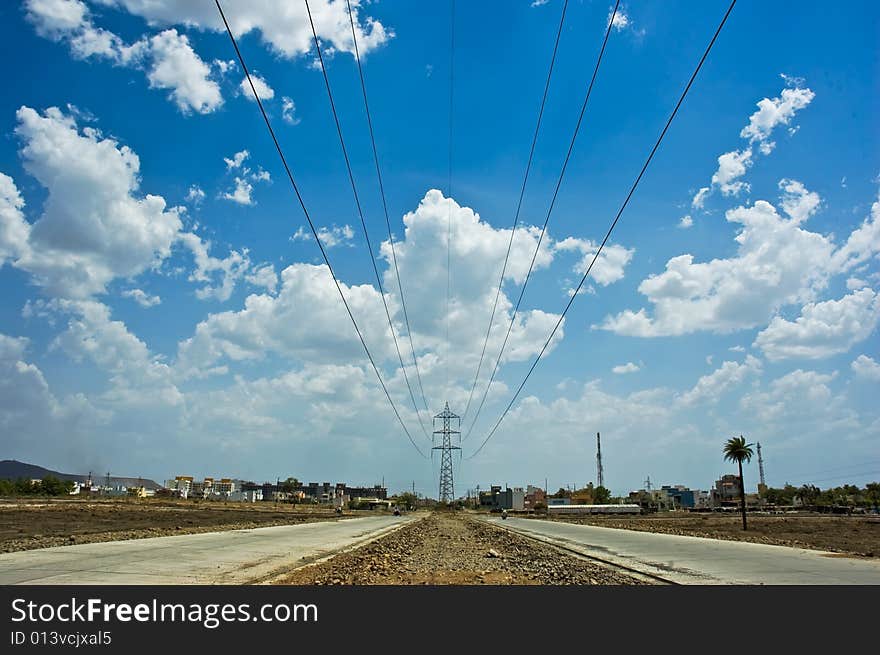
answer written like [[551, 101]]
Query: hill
[[11, 469]]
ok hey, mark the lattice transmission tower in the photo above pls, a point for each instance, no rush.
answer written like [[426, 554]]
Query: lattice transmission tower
[[600, 472], [761, 466], [447, 492]]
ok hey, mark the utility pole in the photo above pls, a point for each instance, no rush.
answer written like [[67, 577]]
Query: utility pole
[[600, 472], [447, 492]]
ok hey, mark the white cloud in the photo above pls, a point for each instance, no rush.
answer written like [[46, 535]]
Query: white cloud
[[854, 284], [94, 227], [142, 298], [629, 367], [283, 26], [330, 236], [14, 229], [288, 111], [777, 263], [230, 269], [539, 3], [731, 167], [731, 374], [265, 91], [195, 195], [797, 202], [621, 20], [176, 66], [737, 349], [794, 399], [242, 191], [823, 329], [778, 111], [686, 222], [241, 194], [263, 276], [865, 367], [167, 57], [610, 265], [225, 66], [237, 159], [700, 197]]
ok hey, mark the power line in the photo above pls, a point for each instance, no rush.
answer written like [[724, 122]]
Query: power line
[[357, 202], [518, 207], [547, 218], [613, 224], [312, 225], [449, 183], [384, 204]]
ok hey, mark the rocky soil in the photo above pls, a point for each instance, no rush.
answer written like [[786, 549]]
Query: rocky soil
[[454, 548]]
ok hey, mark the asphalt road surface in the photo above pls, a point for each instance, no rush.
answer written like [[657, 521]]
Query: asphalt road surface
[[233, 557], [696, 560]]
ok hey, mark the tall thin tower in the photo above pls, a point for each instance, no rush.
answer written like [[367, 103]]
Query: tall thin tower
[[600, 472], [761, 467], [447, 492]]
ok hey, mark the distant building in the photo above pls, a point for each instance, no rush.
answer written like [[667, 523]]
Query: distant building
[[726, 491], [534, 496]]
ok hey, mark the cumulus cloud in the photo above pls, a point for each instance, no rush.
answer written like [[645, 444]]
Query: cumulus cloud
[[141, 297], [242, 190], [263, 276], [218, 276], [629, 367], [167, 58], [865, 367], [778, 262], [730, 374], [283, 26], [823, 329], [732, 166], [609, 266], [264, 91], [686, 222], [776, 111], [241, 193], [330, 236], [176, 66], [95, 225]]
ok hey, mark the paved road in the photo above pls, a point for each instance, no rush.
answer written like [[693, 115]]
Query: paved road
[[695, 560], [233, 557]]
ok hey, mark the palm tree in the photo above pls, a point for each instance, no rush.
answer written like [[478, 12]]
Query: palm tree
[[737, 450]]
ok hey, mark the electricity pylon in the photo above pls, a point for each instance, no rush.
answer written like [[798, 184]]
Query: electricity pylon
[[447, 493]]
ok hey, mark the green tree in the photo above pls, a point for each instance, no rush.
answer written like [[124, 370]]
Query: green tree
[[601, 495], [407, 499], [737, 450], [809, 494], [289, 485]]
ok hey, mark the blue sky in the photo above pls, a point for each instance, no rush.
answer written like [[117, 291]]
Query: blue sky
[[164, 310]]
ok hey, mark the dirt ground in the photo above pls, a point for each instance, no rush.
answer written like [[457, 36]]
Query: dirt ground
[[853, 535], [454, 549], [29, 524]]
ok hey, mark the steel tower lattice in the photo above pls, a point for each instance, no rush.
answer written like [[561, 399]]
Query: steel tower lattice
[[447, 493]]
